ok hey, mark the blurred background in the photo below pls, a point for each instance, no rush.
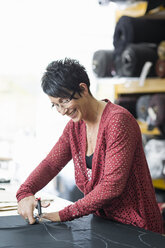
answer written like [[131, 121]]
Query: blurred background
[[121, 43], [34, 33]]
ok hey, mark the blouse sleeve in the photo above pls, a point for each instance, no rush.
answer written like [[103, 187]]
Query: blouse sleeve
[[120, 146], [57, 158]]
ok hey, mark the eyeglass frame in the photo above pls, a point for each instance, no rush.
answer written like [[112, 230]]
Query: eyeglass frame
[[65, 102]]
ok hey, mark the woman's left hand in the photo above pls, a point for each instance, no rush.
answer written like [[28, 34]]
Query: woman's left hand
[[54, 216]]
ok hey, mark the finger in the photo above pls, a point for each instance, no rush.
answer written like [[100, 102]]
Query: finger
[[45, 205], [31, 220], [30, 216]]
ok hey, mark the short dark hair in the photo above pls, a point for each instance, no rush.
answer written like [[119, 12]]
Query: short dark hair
[[62, 78]]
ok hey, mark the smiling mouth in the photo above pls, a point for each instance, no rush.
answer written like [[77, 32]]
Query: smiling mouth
[[72, 113]]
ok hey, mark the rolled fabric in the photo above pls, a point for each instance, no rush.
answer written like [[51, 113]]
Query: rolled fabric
[[128, 102], [118, 65], [137, 30], [134, 57], [161, 50], [142, 107], [155, 155], [152, 4], [160, 68], [103, 63], [157, 104]]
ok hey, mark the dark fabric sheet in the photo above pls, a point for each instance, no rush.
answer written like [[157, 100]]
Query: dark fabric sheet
[[87, 232]]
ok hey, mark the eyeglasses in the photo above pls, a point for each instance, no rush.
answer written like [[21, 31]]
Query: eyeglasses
[[64, 103]]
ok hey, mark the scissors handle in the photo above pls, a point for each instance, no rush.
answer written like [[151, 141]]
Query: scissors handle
[[39, 206]]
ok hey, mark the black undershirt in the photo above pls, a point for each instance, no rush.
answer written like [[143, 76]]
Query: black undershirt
[[89, 161]]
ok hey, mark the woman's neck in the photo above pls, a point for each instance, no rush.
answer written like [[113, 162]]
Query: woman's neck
[[94, 112]]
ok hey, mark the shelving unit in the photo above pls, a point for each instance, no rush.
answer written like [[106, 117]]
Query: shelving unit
[[144, 129], [151, 86]]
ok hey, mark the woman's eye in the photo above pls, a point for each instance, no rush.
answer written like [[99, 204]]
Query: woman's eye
[[52, 105], [66, 101]]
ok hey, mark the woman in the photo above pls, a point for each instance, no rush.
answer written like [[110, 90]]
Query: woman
[[104, 141]]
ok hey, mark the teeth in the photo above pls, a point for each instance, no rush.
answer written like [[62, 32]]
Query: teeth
[[72, 112]]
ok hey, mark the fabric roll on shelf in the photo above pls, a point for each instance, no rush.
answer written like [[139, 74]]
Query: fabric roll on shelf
[[103, 63], [152, 4], [137, 30], [156, 111], [160, 68], [134, 57], [128, 102], [142, 107], [155, 155], [118, 65]]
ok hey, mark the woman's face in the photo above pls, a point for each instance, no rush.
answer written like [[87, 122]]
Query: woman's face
[[75, 108]]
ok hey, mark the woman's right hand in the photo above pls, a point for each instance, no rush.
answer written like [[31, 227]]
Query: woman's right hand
[[26, 208]]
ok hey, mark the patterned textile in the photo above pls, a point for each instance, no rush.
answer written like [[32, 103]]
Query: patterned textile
[[120, 187]]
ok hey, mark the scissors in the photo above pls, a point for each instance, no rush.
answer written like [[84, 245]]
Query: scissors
[[38, 207]]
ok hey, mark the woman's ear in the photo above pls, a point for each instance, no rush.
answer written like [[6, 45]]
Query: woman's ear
[[84, 88]]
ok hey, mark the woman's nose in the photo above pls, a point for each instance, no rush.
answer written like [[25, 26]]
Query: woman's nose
[[62, 110]]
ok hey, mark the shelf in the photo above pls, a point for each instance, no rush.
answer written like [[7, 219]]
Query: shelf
[[144, 129], [5, 159], [159, 183], [131, 86], [128, 86]]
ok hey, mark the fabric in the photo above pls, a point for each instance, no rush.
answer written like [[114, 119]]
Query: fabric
[[137, 30], [155, 155], [134, 57], [142, 106], [118, 65], [102, 63], [128, 102], [152, 4], [157, 104], [119, 188], [89, 161], [86, 232]]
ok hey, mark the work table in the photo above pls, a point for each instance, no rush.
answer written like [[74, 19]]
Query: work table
[[86, 232]]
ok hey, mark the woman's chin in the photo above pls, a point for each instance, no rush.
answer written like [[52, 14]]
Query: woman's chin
[[76, 117]]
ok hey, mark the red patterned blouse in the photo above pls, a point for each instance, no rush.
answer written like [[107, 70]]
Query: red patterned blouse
[[119, 186]]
